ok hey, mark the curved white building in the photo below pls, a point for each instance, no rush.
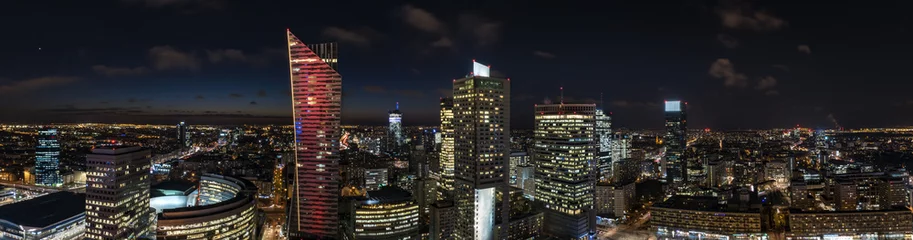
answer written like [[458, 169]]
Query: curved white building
[[220, 208]]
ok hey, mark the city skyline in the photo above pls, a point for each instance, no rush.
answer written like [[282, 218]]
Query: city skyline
[[738, 64]]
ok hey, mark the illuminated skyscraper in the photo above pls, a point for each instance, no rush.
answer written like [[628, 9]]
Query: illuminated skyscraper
[[395, 138], [604, 142], [117, 193], [481, 124], [565, 151], [183, 136], [447, 138], [316, 104], [675, 141], [47, 159]]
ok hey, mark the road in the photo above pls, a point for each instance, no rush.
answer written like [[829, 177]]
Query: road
[[628, 231]]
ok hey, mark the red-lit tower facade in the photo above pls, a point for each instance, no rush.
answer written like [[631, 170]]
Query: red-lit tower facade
[[316, 105]]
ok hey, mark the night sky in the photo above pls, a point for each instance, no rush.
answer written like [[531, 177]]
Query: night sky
[[738, 64]]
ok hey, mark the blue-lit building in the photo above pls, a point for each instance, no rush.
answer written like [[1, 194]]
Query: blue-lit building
[[60, 215], [395, 138], [47, 159], [675, 141]]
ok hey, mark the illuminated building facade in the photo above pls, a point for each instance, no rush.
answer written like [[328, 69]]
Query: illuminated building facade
[[395, 138], [375, 178], [681, 217], [388, 214], [675, 141], [565, 152], [117, 193], [880, 224], [62, 217], [316, 104], [183, 136], [447, 139], [226, 209], [604, 135], [481, 125], [47, 159], [442, 221]]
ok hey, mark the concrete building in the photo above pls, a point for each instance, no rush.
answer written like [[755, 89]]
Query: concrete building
[[117, 193], [879, 224], [703, 218], [62, 216], [389, 213], [375, 178], [219, 207], [614, 200], [442, 221]]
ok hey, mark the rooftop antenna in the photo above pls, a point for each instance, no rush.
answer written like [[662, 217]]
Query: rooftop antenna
[[562, 95], [397, 106]]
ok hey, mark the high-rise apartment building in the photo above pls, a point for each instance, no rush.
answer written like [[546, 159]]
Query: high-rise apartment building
[[565, 151], [47, 159], [395, 137], [481, 125], [675, 141], [117, 193], [447, 138], [316, 105], [604, 141]]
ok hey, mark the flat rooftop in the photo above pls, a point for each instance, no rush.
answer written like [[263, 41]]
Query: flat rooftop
[[46, 210]]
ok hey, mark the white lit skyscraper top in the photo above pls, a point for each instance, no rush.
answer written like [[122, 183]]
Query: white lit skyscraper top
[[673, 106], [480, 70]]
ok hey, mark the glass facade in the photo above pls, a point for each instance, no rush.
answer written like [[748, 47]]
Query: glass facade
[[386, 220], [47, 159], [447, 138], [565, 153], [395, 130], [316, 104], [604, 136], [117, 193], [227, 210], [675, 141]]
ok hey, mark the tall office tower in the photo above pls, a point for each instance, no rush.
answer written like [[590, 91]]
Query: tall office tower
[[375, 178], [395, 138], [675, 141], [565, 151], [47, 159], [117, 193], [604, 136], [481, 125], [183, 136], [447, 138], [316, 106]]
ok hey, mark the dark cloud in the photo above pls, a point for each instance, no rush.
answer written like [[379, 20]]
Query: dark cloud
[[12, 87], [199, 97], [73, 110], [349, 36], [727, 40], [633, 104], [169, 58], [767, 83], [261, 93], [235, 95], [374, 89], [444, 42], [409, 93], [415, 71], [740, 15], [135, 100], [805, 49], [543, 54], [422, 20], [253, 103], [186, 6], [445, 92], [118, 71], [485, 31], [225, 55], [781, 67], [103, 102], [723, 69]]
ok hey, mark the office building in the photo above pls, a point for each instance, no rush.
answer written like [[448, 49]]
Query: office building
[[481, 124], [604, 137], [47, 159], [375, 178], [565, 152], [613, 200], [703, 218], [183, 136], [517, 159], [442, 221], [447, 140], [316, 106], [59, 215], [117, 193], [526, 180], [395, 139], [389, 213], [675, 141], [219, 207]]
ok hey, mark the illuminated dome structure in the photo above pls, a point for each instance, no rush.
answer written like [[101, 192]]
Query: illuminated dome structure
[[218, 207]]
